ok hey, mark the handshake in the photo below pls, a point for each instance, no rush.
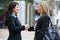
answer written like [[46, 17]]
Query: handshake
[[27, 26]]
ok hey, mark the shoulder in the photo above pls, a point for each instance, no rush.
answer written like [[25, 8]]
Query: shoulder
[[46, 18], [10, 17]]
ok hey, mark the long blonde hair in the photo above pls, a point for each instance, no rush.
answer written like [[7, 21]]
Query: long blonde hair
[[44, 8]]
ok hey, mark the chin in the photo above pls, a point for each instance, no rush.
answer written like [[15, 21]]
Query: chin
[[16, 12]]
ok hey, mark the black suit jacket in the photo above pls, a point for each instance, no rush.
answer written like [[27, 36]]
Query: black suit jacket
[[14, 27], [41, 27]]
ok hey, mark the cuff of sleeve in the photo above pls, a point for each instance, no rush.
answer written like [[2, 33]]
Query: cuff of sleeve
[[31, 29], [23, 27]]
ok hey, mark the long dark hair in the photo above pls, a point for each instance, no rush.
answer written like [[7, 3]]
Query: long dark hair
[[10, 8]]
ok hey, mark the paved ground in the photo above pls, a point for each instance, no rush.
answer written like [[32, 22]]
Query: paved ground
[[25, 35]]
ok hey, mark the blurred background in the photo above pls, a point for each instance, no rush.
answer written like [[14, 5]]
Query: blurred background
[[29, 15]]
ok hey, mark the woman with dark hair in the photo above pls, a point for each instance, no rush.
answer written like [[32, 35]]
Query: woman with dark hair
[[13, 23]]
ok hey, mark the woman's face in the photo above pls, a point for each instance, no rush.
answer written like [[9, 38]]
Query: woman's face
[[39, 8], [16, 9]]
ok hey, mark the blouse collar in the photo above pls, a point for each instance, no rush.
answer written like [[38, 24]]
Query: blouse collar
[[14, 15]]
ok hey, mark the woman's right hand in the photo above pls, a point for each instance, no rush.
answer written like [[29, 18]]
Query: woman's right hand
[[27, 26]]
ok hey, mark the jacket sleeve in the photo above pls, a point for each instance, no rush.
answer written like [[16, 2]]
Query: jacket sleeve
[[12, 26], [38, 25], [45, 23], [31, 29]]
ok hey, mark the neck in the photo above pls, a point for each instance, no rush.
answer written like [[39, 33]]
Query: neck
[[40, 13], [15, 13]]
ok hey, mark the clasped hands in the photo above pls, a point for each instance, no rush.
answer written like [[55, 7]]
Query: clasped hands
[[27, 26]]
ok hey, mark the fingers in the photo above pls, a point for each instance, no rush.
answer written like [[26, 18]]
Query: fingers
[[27, 26]]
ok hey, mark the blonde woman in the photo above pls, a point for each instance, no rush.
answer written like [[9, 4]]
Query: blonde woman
[[43, 22]]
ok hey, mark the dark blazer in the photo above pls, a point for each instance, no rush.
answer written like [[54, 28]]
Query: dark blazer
[[41, 27], [14, 27]]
